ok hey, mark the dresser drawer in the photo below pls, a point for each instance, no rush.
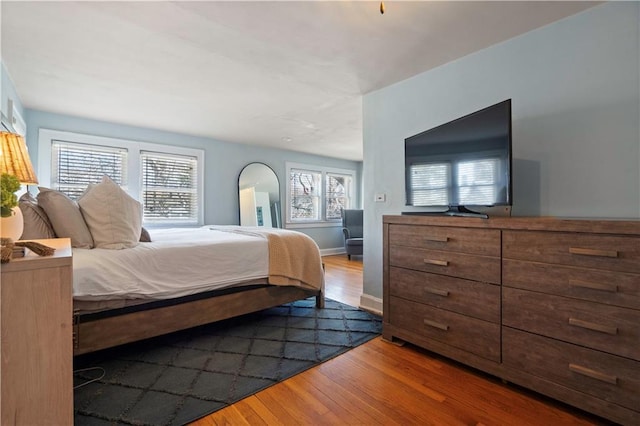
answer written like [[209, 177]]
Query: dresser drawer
[[611, 288], [479, 268], [472, 335], [485, 242], [594, 325], [599, 251], [608, 377], [476, 299]]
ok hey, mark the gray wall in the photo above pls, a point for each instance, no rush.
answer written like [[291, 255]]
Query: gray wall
[[576, 114], [223, 163]]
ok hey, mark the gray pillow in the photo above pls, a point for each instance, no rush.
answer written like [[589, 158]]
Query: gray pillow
[[36, 223], [144, 236], [65, 217]]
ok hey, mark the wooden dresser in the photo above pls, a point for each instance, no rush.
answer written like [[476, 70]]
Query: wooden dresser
[[36, 331], [549, 304]]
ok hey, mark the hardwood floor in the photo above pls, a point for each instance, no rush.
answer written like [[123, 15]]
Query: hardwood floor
[[343, 278], [382, 383]]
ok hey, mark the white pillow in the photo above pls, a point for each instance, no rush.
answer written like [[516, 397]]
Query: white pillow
[[113, 217], [65, 217]]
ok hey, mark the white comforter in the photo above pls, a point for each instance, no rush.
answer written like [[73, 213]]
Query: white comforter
[[178, 262]]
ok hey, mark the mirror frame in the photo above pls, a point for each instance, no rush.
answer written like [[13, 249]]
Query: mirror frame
[[274, 206]]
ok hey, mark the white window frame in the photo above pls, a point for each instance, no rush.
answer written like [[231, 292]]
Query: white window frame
[[323, 222], [134, 184]]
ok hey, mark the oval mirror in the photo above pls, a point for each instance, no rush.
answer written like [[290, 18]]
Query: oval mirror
[[259, 196]]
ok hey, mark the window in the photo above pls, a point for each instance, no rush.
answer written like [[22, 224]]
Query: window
[[477, 182], [74, 166], [168, 180], [318, 194], [337, 194], [430, 184], [169, 184], [305, 190]]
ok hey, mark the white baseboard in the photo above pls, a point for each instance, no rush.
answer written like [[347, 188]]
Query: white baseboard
[[371, 304], [332, 251]]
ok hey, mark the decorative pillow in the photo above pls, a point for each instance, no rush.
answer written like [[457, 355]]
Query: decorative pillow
[[113, 217], [144, 236], [36, 222], [65, 217]]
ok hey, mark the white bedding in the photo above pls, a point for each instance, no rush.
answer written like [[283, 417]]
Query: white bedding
[[178, 262]]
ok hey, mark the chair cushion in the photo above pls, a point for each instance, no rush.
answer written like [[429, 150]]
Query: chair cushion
[[353, 242], [353, 221]]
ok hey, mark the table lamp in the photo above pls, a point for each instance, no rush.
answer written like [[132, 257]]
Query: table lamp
[[14, 160]]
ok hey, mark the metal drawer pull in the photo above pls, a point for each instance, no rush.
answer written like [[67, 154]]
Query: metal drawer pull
[[593, 326], [443, 293], [593, 252], [436, 262], [593, 374], [436, 325], [437, 238], [612, 288]]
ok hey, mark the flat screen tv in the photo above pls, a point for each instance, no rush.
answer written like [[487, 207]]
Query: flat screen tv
[[462, 167]]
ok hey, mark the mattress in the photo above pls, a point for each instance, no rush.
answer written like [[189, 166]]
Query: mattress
[[178, 262]]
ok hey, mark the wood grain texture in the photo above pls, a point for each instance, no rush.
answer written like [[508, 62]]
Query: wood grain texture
[[607, 328], [379, 383], [476, 299], [131, 327], [461, 331], [552, 359], [345, 278], [36, 332], [484, 242], [582, 250], [470, 266], [386, 280], [597, 285], [549, 224], [575, 281]]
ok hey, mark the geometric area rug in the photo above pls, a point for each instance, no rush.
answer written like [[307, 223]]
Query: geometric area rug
[[180, 377]]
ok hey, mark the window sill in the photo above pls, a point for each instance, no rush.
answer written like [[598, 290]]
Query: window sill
[[313, 225]]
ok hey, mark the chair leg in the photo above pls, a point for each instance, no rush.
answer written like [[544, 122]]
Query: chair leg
[[349, 256]]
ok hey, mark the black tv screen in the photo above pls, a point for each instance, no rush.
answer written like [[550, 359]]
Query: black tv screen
[[466, 162]]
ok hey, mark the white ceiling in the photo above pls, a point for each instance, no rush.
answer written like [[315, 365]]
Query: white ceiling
[[282, 74]]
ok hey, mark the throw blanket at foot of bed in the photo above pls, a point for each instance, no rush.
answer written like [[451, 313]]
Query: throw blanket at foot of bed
[[294, 258]]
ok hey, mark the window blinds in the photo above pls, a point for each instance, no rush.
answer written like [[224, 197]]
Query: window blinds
[[76, 165], [430, 183], [478, 181], [169, 188], [337, 194], [305, 188]]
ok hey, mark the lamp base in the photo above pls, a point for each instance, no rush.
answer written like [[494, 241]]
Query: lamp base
[[12, 226]]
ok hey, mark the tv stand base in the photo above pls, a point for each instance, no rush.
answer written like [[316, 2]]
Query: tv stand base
[[458, 211]]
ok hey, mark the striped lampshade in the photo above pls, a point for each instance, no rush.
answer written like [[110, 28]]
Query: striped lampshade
[[14, 158]]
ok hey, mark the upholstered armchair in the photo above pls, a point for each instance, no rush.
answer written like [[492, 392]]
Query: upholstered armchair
[[352, 230]]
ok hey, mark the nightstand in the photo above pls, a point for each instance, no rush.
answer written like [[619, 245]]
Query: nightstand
[[36, 357]]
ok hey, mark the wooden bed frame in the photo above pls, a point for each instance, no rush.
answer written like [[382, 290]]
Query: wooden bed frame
[[95, 334]]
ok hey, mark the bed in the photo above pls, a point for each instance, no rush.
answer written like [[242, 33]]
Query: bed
[[130, 284], [187, 277]]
